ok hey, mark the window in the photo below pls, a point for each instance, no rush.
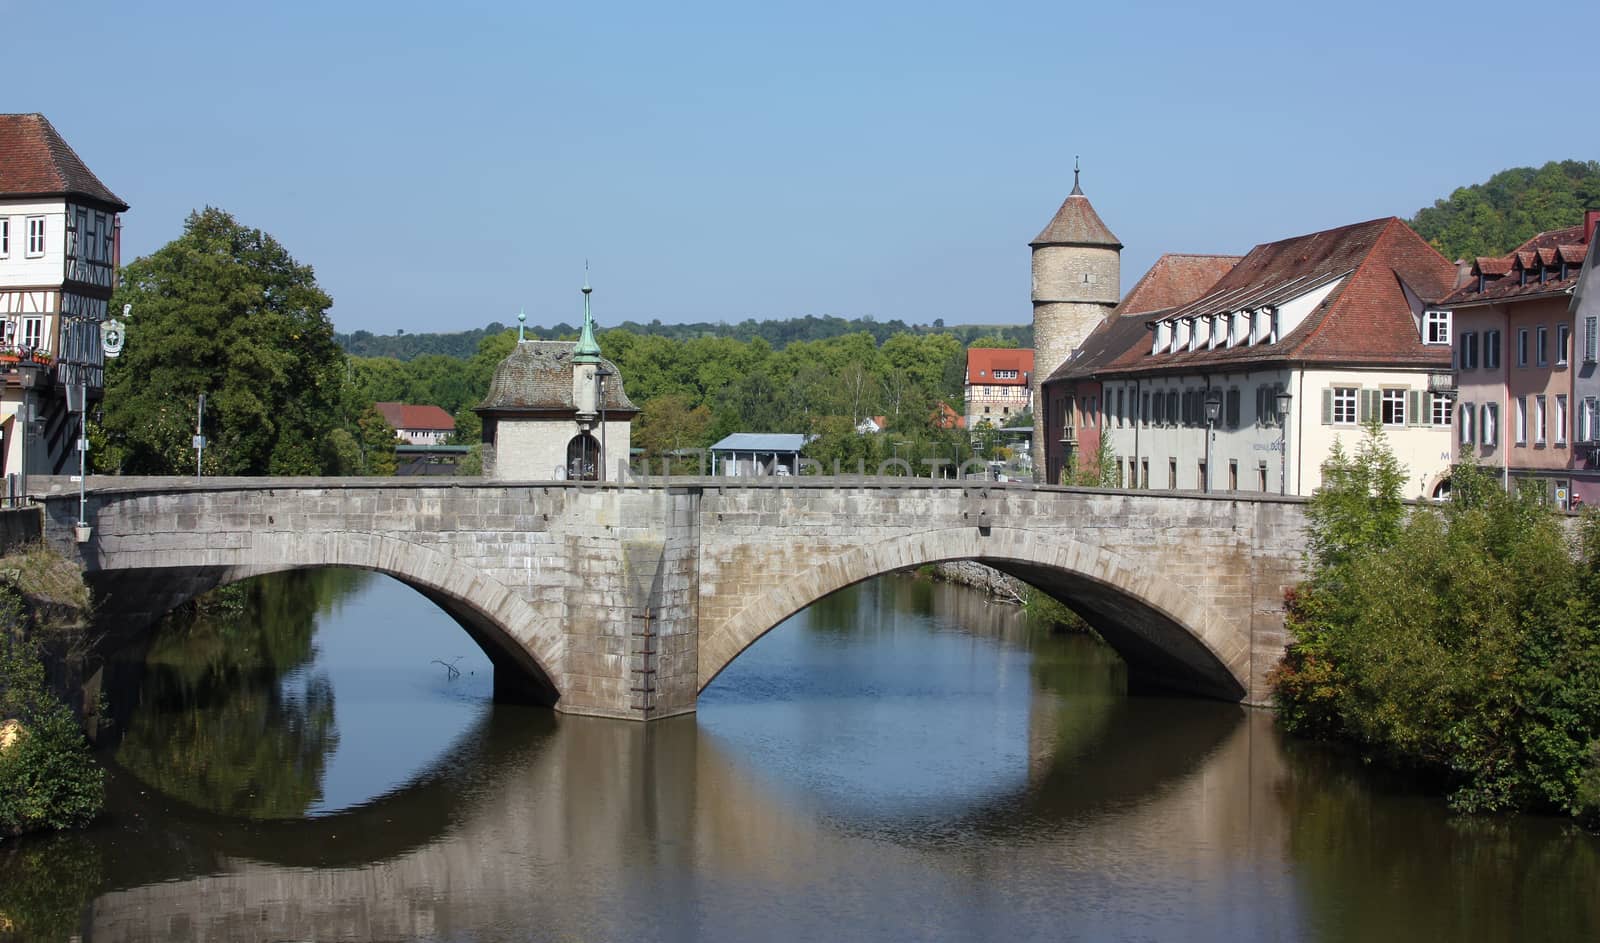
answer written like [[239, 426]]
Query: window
[[1232, 411], [1005, 374], [1563, 344], [1543, 345], [1491, 350], [1522, 347], [1145, 409], [1588, 415], [1343, 406], [1439, 408], [1591, 337], [1144, 473], [1466, 426], [1172, 407], [35, 237], [1436, 327], [1394, 407], [1561, 419], [1122, 405], [1172, 473], [1488, 424], [1261, 476], [5, 238], [583, 458], [1519, 416], [33, 332], [1233, 474], [1160, 416], [1538, 419], [1467, 355]]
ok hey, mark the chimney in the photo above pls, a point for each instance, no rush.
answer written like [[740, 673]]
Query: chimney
[[1591, 218], [1463, 271]]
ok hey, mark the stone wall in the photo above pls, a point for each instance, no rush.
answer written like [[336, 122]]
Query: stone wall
[[19, 527], [984, 578]]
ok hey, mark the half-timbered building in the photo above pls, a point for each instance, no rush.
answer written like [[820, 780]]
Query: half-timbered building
[[59, 248]]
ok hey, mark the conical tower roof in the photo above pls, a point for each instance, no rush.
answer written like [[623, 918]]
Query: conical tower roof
[[1076, 224]]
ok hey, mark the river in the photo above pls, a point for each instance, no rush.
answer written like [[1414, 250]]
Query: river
[[903, 760]]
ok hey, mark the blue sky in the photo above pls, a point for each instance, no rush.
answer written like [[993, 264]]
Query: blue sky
[[442, 165]]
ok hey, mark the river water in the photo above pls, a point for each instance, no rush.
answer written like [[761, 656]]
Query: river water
[[904, 760]]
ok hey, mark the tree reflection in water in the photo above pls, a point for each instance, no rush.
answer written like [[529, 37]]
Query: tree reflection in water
[[230, 717]]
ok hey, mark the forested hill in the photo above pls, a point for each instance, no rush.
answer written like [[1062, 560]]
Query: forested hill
[[778, 334], [1496, 216]]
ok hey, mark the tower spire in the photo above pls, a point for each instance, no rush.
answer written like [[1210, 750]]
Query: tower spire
[[1076, 190], [588, 350]]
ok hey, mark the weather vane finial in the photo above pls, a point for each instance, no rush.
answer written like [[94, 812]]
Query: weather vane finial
[[1075, 188], [587, 350]]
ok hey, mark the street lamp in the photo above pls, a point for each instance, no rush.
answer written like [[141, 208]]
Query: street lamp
[[600, 375], [1284, 398], [1213, 410]]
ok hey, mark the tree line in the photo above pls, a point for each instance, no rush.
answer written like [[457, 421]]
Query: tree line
[[1496, 216], [225, 311]]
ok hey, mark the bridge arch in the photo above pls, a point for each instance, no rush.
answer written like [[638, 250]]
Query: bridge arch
[[1157, 625], [526, 647]]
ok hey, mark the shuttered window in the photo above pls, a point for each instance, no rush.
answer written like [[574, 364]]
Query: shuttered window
[[1488, 425], [1466, 425], [1591, 338]]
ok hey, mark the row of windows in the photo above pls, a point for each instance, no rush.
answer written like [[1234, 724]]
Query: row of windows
[[1350, 405], [1187, 407], [1135, 473], [30, 336], [1479, 422], [33, 240], [1532, 346]]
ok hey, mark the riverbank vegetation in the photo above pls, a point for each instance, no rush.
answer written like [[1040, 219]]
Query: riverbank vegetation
[[48, 780], [1461, 643]]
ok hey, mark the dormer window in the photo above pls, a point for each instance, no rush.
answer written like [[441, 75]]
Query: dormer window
[[1260, 325], [1163, 337], [1197, 332], [1180, 334], [1436, 327], [1219, 330]]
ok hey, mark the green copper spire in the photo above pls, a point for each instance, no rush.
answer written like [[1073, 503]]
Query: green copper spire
[[587, 351], [522, 319]]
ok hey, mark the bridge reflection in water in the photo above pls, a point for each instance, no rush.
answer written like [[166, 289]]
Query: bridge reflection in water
[[1090, 814]]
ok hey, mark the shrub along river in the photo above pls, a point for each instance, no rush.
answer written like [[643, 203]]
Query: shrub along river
[[903, 760]]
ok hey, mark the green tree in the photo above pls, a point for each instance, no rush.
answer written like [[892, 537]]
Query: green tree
[[1463, 642], [225, 311], [377, 443], [1494, 217]]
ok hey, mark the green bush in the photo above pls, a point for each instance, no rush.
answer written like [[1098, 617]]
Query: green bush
[[1462, 642], [47, 778]]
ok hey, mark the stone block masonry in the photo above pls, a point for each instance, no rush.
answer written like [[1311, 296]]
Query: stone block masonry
[[626, 601]]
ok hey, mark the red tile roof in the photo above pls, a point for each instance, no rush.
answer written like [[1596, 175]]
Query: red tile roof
[[982, 362], [944, 417], [1504, 275], [1105, 344], [1175, 279], [1366, 319], [36, 161], [1076, 224], [405, 416]]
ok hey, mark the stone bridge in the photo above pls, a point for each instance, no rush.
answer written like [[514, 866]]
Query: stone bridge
[[626, 600]]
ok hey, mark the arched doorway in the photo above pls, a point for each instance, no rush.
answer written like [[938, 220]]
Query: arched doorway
[[583, 458]]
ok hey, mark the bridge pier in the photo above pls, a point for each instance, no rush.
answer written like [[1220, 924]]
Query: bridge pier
[[625, 600]]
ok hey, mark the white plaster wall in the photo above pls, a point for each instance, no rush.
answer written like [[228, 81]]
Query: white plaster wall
[[536, 450], [16, 269], [1423, 450]]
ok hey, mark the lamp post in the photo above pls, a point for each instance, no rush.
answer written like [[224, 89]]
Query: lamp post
[[1213, 410], [600, 375], [1284, 399], [78, 402]]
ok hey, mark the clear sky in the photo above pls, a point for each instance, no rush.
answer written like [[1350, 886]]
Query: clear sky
[[443, 164]]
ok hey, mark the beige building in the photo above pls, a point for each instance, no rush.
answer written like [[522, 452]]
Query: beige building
[[999, 384], [556, 411]]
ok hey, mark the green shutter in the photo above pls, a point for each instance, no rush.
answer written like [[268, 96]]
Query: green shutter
[[1414, 415], [1327, 407], [1367, 405]]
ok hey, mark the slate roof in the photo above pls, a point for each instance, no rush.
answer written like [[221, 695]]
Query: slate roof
[[982, 362], [422, 418], [1543, 255], [1076, 224], [1367, 319], [35, 161], [762, 442], [537, 377], [1175, 279]]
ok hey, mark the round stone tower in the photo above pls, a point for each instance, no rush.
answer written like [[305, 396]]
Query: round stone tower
[[1077, 281]]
